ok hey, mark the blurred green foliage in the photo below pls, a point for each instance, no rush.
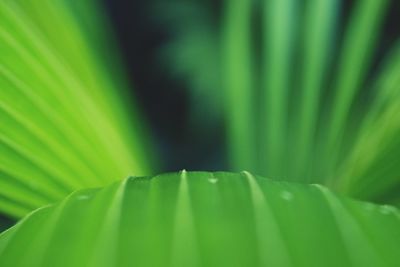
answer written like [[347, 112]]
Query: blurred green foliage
[[65, 122], [298, 88], [303, 97]]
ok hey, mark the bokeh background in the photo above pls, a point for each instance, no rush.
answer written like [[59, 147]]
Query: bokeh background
[[183, 139], [186, 127]]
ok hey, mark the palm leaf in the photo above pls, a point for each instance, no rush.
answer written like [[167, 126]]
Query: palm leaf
[[205, 219], [64, 121], [298, 87], [376, 151]]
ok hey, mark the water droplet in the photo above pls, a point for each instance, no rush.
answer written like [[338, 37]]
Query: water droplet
[[82, 197], [213, 180], [286, 195], [386, 209]]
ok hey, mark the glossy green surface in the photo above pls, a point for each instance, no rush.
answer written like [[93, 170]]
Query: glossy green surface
[[205, 219]]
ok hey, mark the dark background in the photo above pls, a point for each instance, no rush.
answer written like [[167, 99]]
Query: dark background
[[165, 100]]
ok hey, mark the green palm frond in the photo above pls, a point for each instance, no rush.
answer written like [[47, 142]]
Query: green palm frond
[[166, 220], [293, 110], [64, 122], [376, 150], [299, 89]]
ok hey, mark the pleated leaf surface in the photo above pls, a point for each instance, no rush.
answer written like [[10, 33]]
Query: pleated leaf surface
[[205, 219], [64, 121]]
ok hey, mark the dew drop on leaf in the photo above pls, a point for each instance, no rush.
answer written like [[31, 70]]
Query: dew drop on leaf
[[286, 195]]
